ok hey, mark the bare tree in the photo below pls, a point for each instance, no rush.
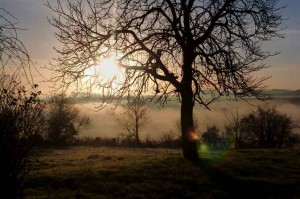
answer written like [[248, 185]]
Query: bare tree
[[133, 118], [234, 125], [14, 58], [194, 51]]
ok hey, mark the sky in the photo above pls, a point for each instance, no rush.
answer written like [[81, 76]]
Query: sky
[[39, 40], [284, 71]]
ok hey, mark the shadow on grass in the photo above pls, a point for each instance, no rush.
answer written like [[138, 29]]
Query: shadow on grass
[[248, 183], [243, 175], [165, 178]]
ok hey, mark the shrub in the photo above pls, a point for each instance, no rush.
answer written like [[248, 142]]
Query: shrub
[[64, 121], [212, 138], [266, 128], [21, 122]]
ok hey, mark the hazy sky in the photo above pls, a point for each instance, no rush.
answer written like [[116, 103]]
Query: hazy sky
[[39, 40]]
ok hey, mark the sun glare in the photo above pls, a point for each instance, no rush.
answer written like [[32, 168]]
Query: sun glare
[[105, 70], [105, 73], [193, 136], [108, 68]]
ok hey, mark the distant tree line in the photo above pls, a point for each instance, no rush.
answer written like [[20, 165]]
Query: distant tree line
[[168, 139], [263, 128]]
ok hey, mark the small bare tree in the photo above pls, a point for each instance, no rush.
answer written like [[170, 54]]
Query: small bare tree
[[192, 51], [234, 126], [134, 118]]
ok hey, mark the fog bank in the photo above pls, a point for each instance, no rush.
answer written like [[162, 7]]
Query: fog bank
[[164, 119]]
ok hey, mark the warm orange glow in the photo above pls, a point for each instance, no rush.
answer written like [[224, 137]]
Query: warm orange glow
[[193, 136]]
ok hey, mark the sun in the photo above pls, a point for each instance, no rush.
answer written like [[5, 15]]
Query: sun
[[105, 70], [108, 69], [106, 73]]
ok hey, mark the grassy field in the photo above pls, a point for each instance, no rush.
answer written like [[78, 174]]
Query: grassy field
[[87, 172]]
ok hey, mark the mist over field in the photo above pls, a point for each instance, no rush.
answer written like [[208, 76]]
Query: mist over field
[[164, 119]]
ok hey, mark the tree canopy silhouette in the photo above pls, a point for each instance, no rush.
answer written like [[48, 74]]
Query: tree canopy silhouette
[[64, 120], [266, 127], [194, 51]]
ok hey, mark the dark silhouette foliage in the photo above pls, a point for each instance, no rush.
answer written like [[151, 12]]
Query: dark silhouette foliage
[[213, 139], [21, 121], [64, 121], [170, 139], [266, 128], [21, 117]]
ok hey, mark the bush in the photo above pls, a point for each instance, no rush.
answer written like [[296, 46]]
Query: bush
[[212, 138], [266, 128], [64, 121], [21, 122]]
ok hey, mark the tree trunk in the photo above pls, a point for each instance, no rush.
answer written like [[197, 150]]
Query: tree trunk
[[236, 140], [137, 131], [189, 143]]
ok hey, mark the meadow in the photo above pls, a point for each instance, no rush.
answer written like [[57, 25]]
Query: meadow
[[112, 172]]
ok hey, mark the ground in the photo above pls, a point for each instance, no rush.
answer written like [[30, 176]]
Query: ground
[[89, 172]]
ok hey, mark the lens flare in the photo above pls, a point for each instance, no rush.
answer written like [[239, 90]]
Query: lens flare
[[203, 148], [211, 155], [193, 136]]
